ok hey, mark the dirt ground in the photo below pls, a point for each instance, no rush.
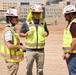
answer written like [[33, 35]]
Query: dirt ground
[[54, 64]]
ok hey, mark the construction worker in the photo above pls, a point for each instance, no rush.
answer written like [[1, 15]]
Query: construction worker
[[35, 30], [11, 50], [69, 39]]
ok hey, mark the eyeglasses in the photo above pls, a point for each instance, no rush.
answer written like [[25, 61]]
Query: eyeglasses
[[38, 13]]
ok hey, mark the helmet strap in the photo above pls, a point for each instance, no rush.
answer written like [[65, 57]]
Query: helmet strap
[[9, 20]]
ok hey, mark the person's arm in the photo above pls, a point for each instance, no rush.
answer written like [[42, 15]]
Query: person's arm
[[9, 44], [23, 30], [73, 32], [14, 47], [73, 44], [46, 29]]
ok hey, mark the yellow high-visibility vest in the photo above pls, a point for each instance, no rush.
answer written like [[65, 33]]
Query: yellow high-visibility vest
[[67, 38], [9, 54], [36, 40]]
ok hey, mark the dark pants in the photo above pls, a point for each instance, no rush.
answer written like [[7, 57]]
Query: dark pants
[[71, 63]]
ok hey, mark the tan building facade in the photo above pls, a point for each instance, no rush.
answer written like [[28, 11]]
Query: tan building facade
[[67, 2], [53, 11], [23, 11], [43, 2], [50, 11], [7, 5]]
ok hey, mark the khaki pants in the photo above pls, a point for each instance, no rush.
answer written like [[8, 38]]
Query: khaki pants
[[30, 57], [12, 68]]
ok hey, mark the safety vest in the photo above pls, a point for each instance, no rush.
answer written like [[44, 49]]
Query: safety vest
[[11, 55], [67, 38], [36, 40]]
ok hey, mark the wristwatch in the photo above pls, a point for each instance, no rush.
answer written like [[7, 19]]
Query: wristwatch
[[69, 53]]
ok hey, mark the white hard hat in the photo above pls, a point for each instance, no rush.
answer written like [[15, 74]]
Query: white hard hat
[[69, 9], [36, 8], [12, 12]]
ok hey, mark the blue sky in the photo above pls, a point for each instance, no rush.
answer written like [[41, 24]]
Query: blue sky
[[22, 0]]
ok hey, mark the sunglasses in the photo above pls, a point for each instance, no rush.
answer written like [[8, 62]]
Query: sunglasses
[[14, 16], [66, 15]]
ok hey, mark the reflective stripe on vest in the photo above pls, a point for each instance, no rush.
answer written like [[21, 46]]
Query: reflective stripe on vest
[[13, 57], [66, 49], [9, 54], [36, 40], [33, 45], [67, 39]]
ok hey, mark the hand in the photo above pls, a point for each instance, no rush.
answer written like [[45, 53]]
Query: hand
[[29, 33], [45, 34], [63, 56], [67, 55], [23, 48]]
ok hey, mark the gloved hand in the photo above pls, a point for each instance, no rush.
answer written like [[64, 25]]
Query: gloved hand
[[45, 34]]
